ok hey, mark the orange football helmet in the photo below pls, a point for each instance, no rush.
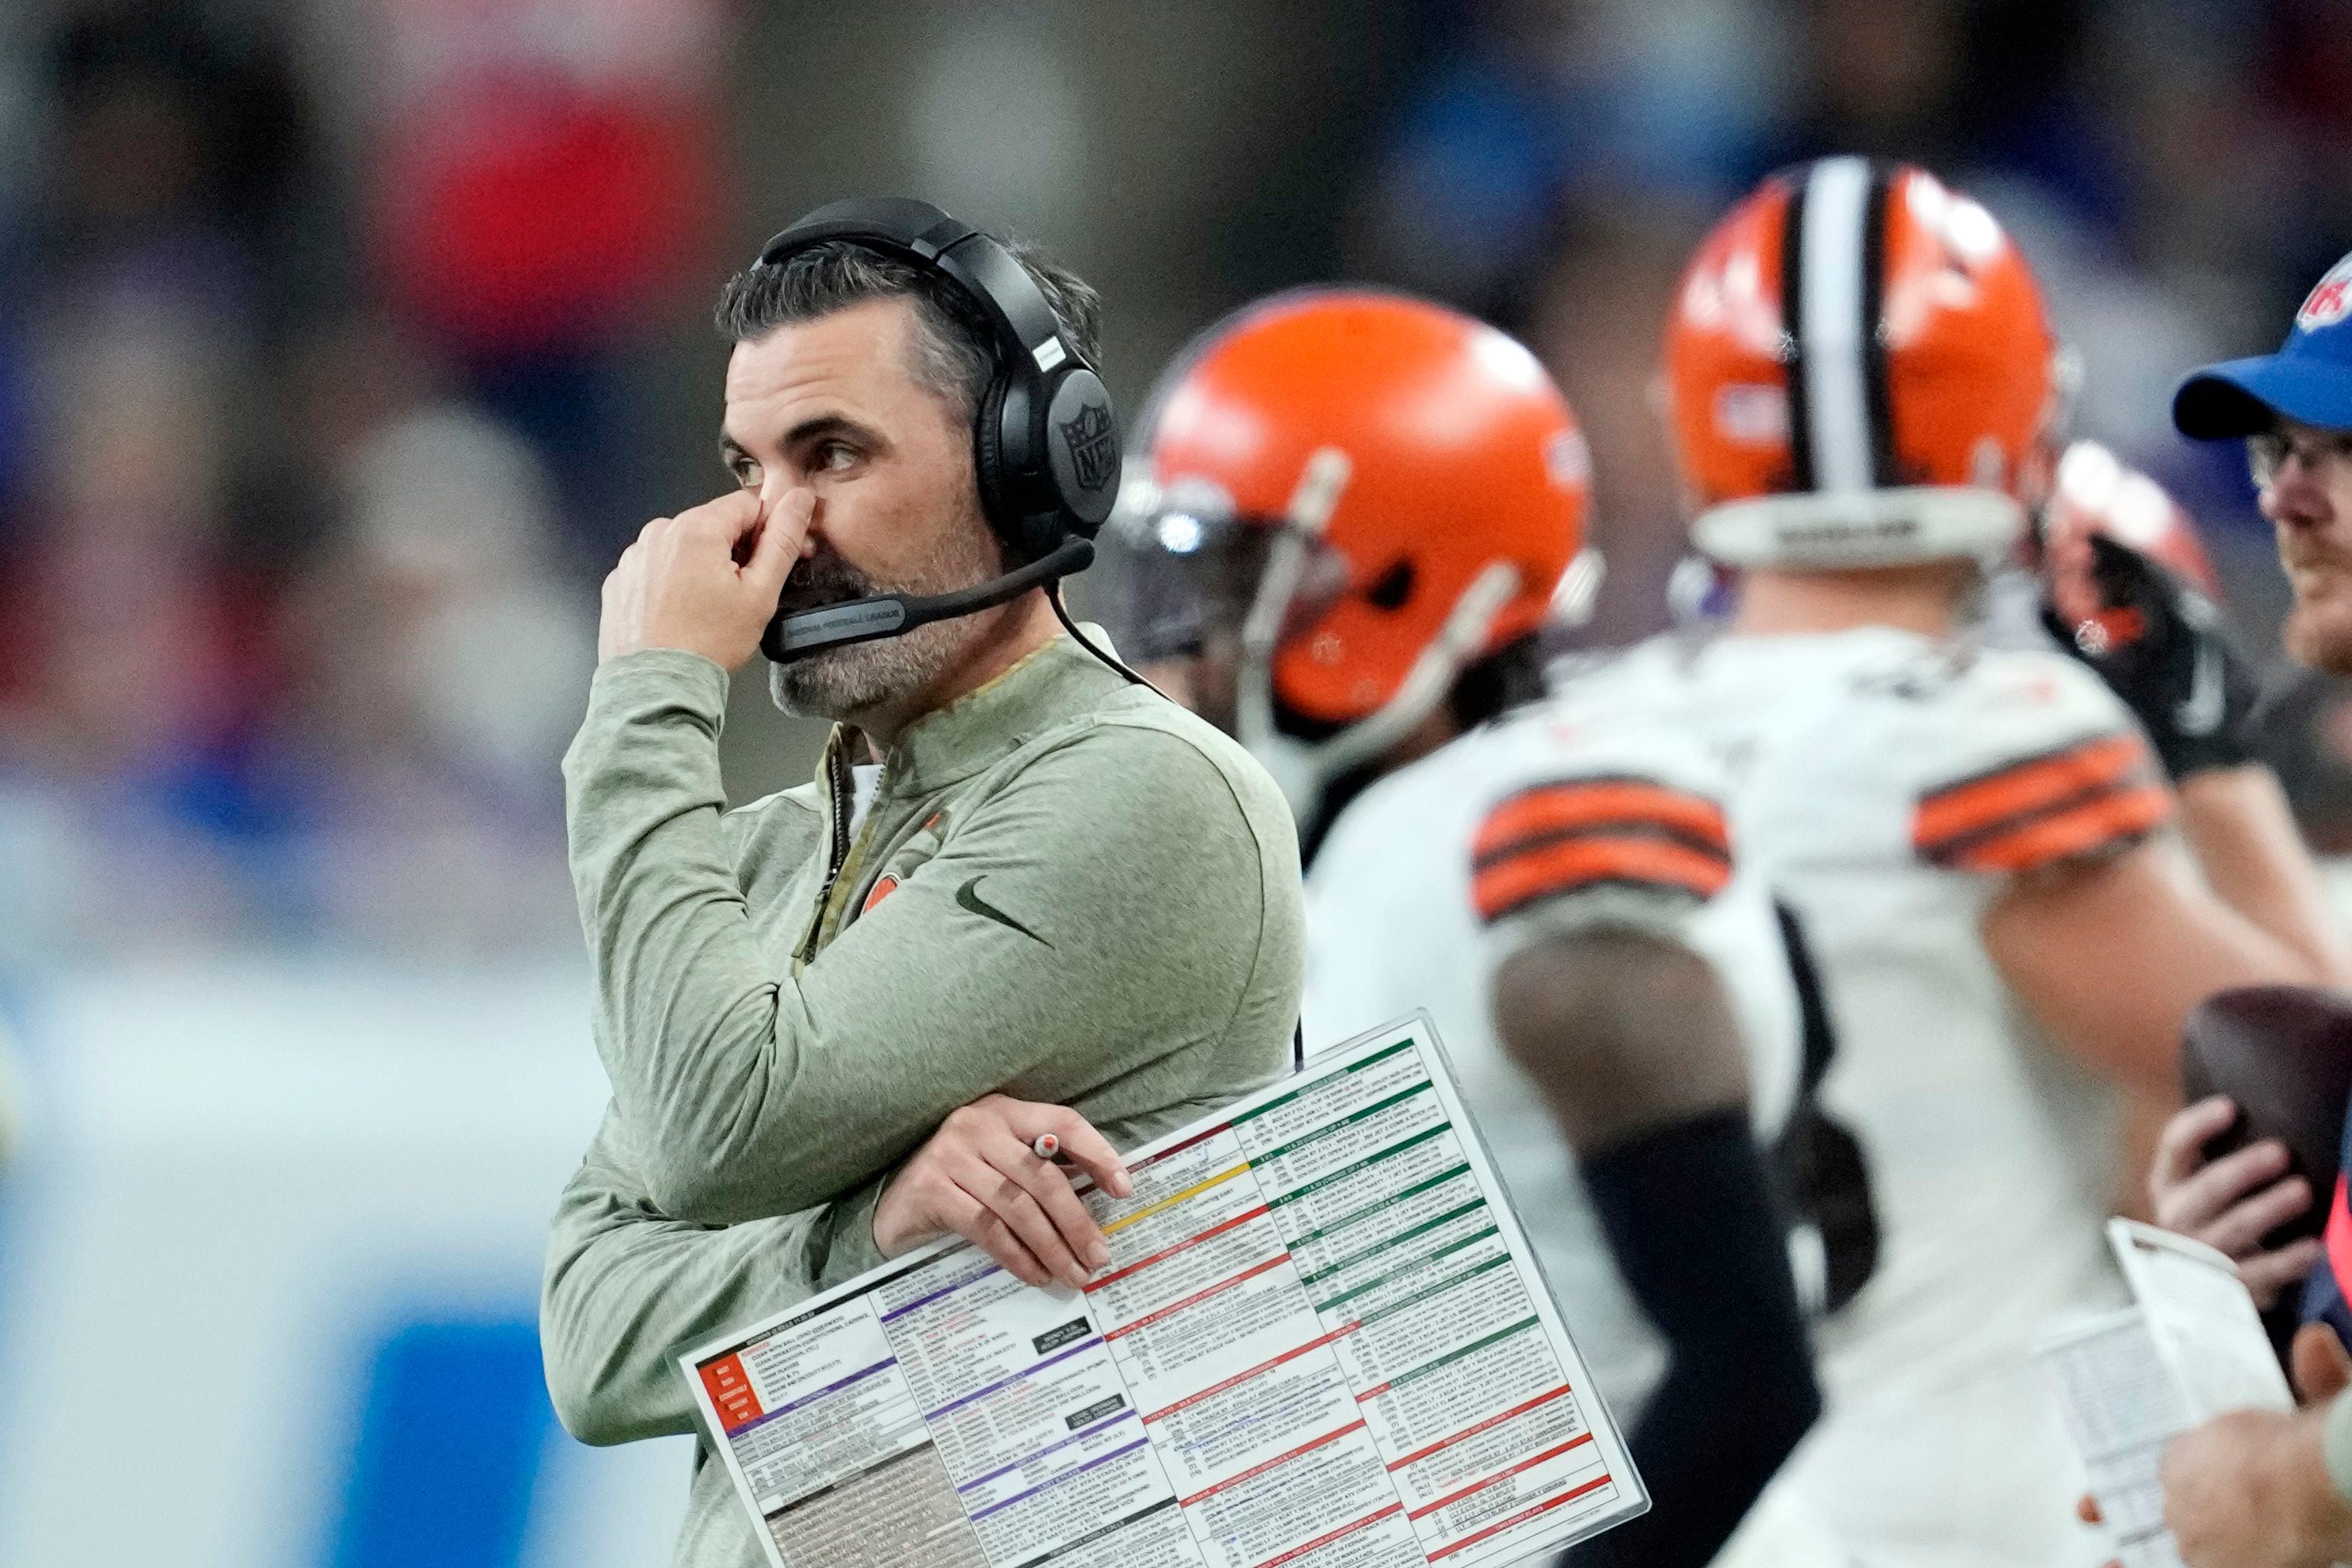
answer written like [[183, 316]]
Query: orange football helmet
[[1374, 492], [1860, 372]]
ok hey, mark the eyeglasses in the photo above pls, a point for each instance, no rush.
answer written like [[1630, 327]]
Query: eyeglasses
[[2266, 453]]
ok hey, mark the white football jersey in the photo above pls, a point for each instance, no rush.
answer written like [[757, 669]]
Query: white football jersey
[[1554, 818], [1887, 789]]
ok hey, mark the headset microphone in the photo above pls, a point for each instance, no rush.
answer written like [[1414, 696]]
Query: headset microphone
[[798, 635]]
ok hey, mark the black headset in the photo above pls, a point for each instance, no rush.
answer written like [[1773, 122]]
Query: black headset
[[1045, 444]]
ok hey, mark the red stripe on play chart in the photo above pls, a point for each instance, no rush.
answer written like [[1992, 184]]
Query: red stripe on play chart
[[1174, 1149], [1521, 1517], [1198, 1296], [1241, 1378], [1258, 1469], [1179, 1246], [1490, 1422], [1527, 1464]]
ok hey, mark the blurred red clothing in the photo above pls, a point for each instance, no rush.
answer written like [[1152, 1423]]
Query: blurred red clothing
[[546, 172]]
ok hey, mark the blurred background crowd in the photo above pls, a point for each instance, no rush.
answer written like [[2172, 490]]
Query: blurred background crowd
[[343, 343]]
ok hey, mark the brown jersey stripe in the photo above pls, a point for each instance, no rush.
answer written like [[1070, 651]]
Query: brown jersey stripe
[[2108, 819], [1624, 828], [1955, 850], [1573, 805], [1572, 863], [1974, 804]]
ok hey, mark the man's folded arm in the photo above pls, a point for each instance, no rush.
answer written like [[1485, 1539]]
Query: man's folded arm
[[628, 1288], [1032, 957]]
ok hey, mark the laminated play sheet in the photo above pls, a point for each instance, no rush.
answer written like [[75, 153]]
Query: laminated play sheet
[[1320, 1342]]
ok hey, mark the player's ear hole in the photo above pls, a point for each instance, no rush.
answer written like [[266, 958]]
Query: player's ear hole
[[1393, 588]]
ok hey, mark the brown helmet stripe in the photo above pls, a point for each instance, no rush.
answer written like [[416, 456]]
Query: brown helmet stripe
[[1792, 328], [1878, 402]]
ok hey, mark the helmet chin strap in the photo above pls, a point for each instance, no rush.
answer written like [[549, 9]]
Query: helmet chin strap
[[1305, 770], [1312, 501]]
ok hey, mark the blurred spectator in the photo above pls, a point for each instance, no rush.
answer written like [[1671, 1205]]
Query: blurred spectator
[[291, 637], [448, 660], [138, 662], [544, 190], [177, 144]]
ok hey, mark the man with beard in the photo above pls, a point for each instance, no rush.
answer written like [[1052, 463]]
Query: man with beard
[[1020, 873], [2259, 1489]]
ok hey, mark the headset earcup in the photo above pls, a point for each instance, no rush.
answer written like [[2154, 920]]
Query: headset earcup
[[1082, 450], [1072, 490], [997, 502]]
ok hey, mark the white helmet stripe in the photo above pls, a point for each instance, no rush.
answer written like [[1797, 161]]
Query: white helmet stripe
[[1832, 336]]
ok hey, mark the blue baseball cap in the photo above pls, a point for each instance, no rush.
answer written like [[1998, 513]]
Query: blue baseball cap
[[2309, 380]]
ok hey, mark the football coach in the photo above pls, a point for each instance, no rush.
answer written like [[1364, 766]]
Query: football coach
[[2260, 1489], [835, 1019]]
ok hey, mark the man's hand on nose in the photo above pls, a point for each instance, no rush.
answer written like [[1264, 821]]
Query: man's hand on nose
[[706, 581]]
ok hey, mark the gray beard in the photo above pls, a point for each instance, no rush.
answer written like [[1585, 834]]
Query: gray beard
[[842, 683]]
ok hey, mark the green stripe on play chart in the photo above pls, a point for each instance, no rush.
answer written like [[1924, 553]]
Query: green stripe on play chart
[[1404, 1269], [1344, 1172], [1439, 1289], [1372, 1061], [1400, 1237], [1415, 1190], [1451, 1356], [1350, 1120]]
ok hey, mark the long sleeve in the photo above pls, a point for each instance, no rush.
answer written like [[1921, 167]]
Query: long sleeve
[[1106, 907], [628, 1288]]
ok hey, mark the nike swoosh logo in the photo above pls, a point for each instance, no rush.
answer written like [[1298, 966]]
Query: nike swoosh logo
[[968, 895], [2200, 713]]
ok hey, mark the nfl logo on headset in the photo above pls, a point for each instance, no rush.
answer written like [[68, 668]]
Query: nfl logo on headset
[[1093, 449], [2331, 301]]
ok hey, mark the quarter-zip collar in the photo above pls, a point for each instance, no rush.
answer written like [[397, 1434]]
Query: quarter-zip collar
[[942, 748], [957, 741], [834, 777]]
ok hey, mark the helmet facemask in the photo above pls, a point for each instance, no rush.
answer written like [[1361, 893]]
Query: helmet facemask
[[1233, 593]]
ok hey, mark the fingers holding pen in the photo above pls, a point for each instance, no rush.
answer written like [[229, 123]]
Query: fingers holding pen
[[990, 1175]]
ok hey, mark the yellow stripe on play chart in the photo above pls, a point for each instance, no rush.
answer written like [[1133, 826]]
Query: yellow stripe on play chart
[[1174, 1199]]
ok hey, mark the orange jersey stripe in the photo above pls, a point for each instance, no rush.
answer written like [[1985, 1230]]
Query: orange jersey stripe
[[1567, 864], [1563, 807], [2112, 818], [1961, 808]]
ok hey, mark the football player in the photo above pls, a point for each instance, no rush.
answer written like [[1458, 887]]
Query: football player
[[1993, 854], [1361, 508]]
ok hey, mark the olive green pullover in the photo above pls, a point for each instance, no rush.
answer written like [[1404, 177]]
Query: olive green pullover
[[1066, 888]]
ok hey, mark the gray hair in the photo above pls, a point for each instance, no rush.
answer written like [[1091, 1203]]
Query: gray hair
[[955, 349]]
